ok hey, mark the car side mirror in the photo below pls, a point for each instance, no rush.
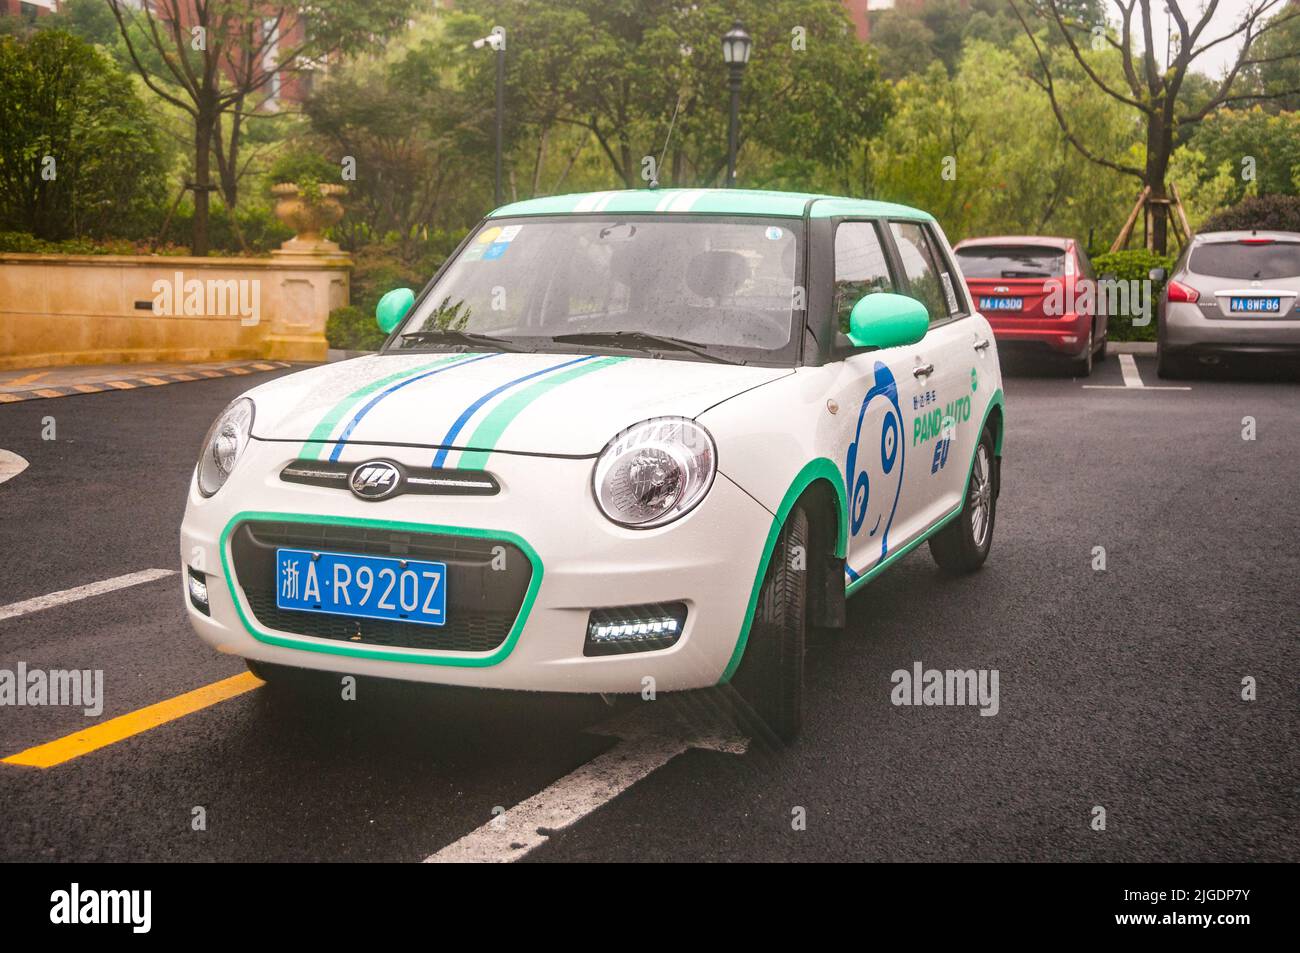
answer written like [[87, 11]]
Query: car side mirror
[[392, 308], [885, 319], [1157, 274]]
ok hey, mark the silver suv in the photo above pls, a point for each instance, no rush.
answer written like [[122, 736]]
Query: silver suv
[[1230, 293]]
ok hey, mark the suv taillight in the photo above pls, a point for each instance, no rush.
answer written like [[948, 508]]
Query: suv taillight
[[1179, 292]]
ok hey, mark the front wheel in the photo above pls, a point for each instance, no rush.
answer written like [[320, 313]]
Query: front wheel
[[770, 677], [963, 545]]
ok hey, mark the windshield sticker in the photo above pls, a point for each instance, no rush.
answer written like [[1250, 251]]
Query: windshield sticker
[[495, 250], [489, 235], [473, 252], [509, 232], [773, 233]]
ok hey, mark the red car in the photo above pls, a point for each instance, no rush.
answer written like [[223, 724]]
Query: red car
[[1031, 291]]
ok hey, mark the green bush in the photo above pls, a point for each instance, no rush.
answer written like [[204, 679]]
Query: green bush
[[1267, 212], [351, 328], [1133, 264]]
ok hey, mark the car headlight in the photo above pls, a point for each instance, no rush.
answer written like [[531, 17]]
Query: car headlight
[[655, 472], [225, 441]]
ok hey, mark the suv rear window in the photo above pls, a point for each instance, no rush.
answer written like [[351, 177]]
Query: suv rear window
[[1250, 261], [1011, 261]]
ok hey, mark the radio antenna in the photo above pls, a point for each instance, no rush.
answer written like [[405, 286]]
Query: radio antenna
[[654, 183]]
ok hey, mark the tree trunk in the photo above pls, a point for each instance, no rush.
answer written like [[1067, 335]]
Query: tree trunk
[[203, 124], [1159, 146]]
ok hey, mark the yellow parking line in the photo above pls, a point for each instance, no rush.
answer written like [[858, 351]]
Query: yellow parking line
[[154, 381], [10, 398], [27, 379], [121, 385], [133, 723]]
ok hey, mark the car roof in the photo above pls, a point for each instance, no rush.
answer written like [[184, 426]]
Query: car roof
[[709, 202], [1246, 233], [1050, 241]]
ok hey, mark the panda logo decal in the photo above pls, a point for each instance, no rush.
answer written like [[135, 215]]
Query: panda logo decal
[[874, 468]]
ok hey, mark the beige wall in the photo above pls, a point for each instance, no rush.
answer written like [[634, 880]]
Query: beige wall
[[82, 309]]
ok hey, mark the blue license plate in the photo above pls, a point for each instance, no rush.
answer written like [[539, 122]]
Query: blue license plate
[[367, 587], [1001, 304], [1254, 305]]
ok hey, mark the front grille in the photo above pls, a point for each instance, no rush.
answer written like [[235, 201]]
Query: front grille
[[486, 583]]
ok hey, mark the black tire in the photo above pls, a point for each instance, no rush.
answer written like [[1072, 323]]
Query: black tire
[[770, 677], [1171, 367], [963, 545], [1103, 350], [1082, 367]]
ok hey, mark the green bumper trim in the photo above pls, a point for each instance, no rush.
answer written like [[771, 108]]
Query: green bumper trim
[[389, 655], [819, 469]]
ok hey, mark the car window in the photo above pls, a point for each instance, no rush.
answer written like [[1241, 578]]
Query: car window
[[860, 268], [724, 283], [1258, 260], [930, 281], [1011, 261]]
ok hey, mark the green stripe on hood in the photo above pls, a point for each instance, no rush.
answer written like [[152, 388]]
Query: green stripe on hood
[[320, 436], [484, 438]]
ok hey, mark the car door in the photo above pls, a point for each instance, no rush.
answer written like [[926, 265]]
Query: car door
[[943, 431], [873, 392]]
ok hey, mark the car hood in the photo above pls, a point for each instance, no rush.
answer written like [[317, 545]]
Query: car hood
[[561, 404]]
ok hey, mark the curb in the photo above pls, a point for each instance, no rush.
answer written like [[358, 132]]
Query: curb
[[1139, 348], [131, 383]]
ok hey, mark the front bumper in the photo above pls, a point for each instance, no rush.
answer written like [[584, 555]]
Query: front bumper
[[580, 562]]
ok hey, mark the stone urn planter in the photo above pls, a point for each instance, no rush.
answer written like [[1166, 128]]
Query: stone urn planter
[[308, 215]]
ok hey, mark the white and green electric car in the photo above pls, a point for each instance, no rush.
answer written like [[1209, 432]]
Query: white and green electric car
[[619, 436]]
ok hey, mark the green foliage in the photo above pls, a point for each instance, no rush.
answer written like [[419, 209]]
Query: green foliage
[[621, 69], [78, 153], [1252, 141], [352, 328], [982, 151], [1133, 264], [1265, 212]]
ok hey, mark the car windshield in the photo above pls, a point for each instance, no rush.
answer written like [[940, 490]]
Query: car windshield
[[1011, 261], [690, 287], [1257, 260]]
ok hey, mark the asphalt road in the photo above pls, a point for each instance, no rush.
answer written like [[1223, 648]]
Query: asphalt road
[[1118, 688]]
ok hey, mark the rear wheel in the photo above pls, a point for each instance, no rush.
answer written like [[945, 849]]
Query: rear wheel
[[1103, 350], [1082, 367], [770, 677], [963, 545], [1171, 366]]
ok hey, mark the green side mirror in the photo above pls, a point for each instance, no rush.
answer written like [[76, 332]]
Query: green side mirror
[[887, 320], [392, 308]]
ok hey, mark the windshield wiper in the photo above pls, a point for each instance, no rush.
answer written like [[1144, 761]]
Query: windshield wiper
[[641, 341], [464, 337]]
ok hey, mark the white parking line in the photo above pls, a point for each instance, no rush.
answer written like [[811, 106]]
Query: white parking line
[[1132, 379], [645, 746], [64, 596], [10, 465]]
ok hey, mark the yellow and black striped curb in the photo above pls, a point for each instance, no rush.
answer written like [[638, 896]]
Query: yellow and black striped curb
[[131, 383]]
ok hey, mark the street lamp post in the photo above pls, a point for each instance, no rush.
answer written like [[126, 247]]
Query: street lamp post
[[735, 53], [496, 41]]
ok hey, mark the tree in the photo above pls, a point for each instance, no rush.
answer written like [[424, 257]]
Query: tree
[[214, 59], [624, 71], [78, 154], [1156, 94]]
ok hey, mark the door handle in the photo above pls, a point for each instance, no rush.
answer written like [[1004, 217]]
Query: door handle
[[982, 345], [923, 370]]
